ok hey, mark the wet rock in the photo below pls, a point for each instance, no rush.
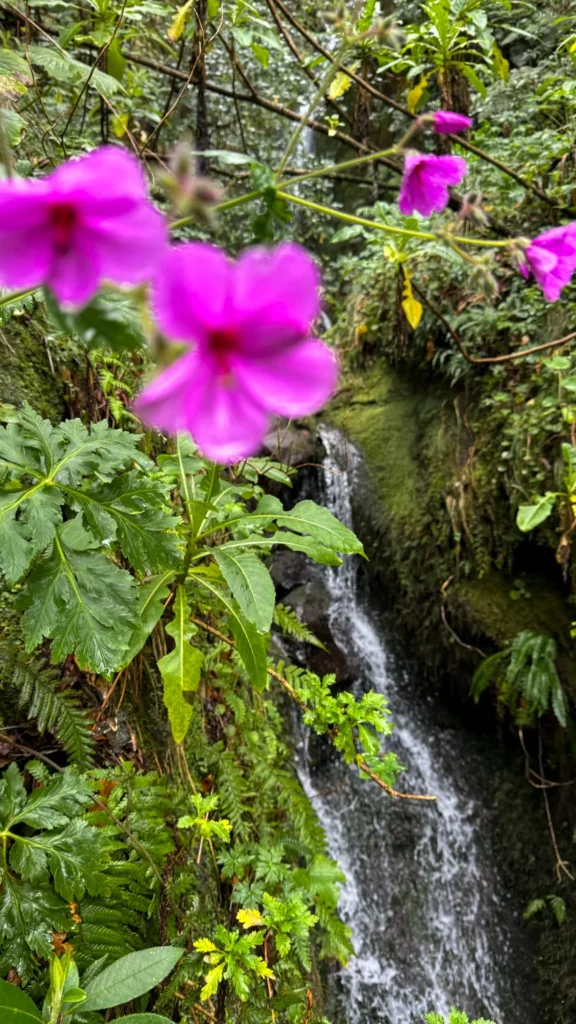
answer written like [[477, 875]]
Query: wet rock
[[311, 601]]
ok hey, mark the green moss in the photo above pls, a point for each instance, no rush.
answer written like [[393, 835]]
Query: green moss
[[25, 370], [389, 419]]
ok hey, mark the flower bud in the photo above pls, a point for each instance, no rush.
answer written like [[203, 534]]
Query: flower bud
[[472, 211]]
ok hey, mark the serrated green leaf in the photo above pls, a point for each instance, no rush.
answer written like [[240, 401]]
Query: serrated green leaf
[[15, 1006], [212, 980], [84, 603], [29, 915], [180, 669], [16, 553], [250, 583], [296, 542], [13, 794], [130, 977], [131, 509]]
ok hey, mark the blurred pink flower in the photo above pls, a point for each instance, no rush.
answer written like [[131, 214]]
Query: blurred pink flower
[[551, 257], [446, 121], [425, 183], [88, 221], [252, 355]]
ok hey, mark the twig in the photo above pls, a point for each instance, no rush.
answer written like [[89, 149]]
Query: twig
[[488, 359], [560, 864], [528, 185], [304, 707], [258, 100]]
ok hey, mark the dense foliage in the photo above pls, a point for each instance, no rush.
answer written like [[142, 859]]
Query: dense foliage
[[161, 856]]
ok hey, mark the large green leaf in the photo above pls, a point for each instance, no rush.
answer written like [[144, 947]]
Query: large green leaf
[[108, 321], [15, 1006], [11, 63], [131, 508], [296, 542], [180, 669], [530, 516], [250, 643], [305, 518], [66, 453], [152, 596], [130, 977], [250, 582], [81, 600], [65, 69], [74, 855], [29, 916]]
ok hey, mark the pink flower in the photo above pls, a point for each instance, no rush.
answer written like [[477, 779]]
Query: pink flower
[[425, 183], [446, 121], [551, 257], [251, 354], [88, 221]]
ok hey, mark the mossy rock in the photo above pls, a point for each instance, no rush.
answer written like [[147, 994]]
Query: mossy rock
[[26, 373]]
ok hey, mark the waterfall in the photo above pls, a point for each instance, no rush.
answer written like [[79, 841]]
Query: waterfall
[[422, 897]]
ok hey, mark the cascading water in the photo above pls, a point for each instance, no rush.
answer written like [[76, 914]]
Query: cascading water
[[422, 897]]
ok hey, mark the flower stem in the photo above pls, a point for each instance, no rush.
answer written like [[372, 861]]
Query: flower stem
[[317, 97], [427, 236]]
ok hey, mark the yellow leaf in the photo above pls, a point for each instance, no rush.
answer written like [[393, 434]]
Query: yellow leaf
[[412, 308], [205, 946], [249, 918], [415, 94], [213, 979], [339, 86], [572, 48], [413, 311], [179, 22], [120, 124]]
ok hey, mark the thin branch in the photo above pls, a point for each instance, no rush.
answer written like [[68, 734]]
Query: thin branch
[[300, 58], [304, 707], [488, 359], [260, 101], [528, 185]]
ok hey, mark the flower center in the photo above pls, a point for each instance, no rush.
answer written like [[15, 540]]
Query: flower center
[[63, 219], [222, 345]]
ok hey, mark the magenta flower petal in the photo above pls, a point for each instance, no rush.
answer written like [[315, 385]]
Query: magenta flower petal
[[447, 121], [74, 276], [193, 292], [551, 258], [88, 220], [277, 285], [250, 323], [225, 422], [127, 247], [295, 381], [25, 259], [165, 403], [424, 187], [106, 182]]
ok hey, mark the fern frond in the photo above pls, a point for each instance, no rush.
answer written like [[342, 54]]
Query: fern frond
[[288, 622], [55, 710]]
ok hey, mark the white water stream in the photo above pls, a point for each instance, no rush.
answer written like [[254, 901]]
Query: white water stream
[[422, 896]]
